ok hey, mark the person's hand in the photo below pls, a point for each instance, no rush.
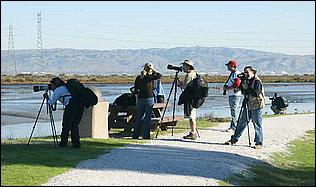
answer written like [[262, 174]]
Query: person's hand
[[225, 87], [45, 95]]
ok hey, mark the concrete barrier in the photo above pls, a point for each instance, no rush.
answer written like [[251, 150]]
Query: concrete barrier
[[94, 121]]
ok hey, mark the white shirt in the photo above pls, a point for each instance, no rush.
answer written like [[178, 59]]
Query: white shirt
[[58, 95], [231, 81]]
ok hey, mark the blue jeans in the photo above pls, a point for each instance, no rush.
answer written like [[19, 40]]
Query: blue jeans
[[144, 112], [256, 116], [234, 104]]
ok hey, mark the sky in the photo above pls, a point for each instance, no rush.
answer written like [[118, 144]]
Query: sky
[[273, 26]]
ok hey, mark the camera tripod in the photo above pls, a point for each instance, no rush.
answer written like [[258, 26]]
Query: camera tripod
[[52, 123], [174, 85], [244, 107]]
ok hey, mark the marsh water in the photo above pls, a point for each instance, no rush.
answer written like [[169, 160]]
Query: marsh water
[[20, 105]]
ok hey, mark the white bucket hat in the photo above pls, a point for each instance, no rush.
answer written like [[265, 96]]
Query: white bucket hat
[[189, 62]]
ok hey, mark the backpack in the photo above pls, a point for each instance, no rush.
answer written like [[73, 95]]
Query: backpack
[[125, 100], [200, 91], [78, 90], [195, 92]]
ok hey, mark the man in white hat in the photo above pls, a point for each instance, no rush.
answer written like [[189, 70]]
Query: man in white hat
[[188, 68]]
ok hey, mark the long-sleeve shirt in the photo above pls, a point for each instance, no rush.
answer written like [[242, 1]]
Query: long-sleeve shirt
[[62, 94], [144, 86], [233, 82]]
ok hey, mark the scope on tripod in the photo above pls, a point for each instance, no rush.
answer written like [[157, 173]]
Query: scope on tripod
[[172, 67], [42, 88]]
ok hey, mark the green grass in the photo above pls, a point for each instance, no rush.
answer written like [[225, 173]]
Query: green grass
[[23, 165], [34, 164], [293, 168]]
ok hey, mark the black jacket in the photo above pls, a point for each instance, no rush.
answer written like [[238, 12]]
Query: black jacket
[[193, 95]]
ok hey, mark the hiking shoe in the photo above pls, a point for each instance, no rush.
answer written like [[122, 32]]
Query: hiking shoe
[[231, 142], [190, 136], [258, 146]]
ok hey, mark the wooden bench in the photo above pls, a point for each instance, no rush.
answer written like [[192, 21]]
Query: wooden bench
[[125, 117]]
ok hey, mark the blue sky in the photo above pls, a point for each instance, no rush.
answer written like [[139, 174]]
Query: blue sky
[[280, 27]]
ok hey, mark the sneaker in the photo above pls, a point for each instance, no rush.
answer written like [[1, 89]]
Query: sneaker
[[258, 146], [190, 136], [231, 142]]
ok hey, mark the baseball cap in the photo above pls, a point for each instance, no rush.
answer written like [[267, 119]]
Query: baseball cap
[[232, 63]]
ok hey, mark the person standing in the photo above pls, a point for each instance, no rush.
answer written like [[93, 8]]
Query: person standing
[[143, 90], [253, 91], [189, 111], [72, 114], [231, 88]]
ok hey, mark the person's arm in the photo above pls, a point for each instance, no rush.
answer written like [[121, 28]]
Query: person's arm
[[136, 88], [155, 76], [236, 84], [56, 95]]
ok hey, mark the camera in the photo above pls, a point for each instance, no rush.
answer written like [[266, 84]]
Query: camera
[[242, 76], [172, 67], [42, 88]]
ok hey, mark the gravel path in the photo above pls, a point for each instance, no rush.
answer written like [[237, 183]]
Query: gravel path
[[170, 160]]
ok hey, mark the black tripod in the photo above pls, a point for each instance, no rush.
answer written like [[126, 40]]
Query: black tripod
[[52, 124], [174, 85], [244, 107]]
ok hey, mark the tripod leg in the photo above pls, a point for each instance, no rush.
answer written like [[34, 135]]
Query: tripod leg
[[39, 112], [174, 104], [173, 84], [197, 132], [247, 117], [52, 124]]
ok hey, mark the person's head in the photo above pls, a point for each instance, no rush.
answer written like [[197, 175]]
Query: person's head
[[250, 72], [187, 66], [232, 65], [147, 69], [56, 82]]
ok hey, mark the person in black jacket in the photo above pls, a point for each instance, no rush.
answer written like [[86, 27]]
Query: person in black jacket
[[144, 86], [189, 111], [72, 113]]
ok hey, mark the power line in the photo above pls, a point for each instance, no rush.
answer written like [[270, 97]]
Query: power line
[[175, 29]]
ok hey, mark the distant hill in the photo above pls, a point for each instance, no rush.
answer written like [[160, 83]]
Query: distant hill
[[209, 60]]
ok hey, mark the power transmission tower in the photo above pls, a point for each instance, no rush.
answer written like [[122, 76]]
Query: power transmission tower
[[39, 56], [11, 51]]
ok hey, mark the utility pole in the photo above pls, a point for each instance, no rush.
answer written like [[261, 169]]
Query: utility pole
[[11, 51], [39, 56]]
